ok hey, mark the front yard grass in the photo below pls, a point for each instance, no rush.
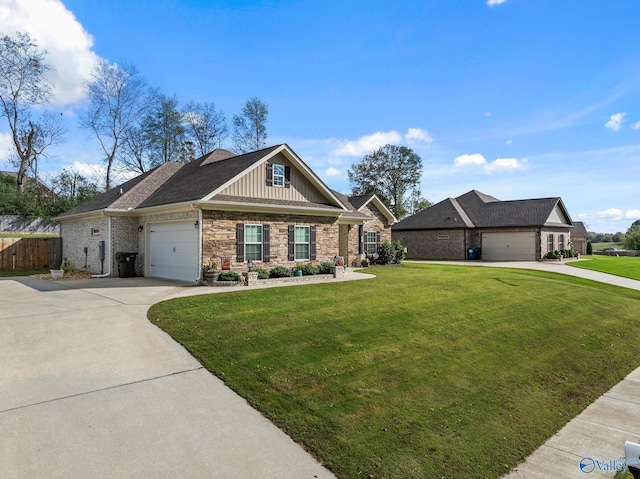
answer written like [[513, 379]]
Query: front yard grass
[[625, 266], [424, 371]]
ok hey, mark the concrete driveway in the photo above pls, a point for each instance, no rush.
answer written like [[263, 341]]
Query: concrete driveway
[[89, 388]]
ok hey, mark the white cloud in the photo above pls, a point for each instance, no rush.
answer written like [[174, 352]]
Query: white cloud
[[491, 3], [469, 160], [366, 144], [55, 29], [508, 142], [635, 126], [504, 164], [611, 213], [615, 122], [487, 114], [632, 214], [414, 135], [331, 171], [499, 164], [6, 143]]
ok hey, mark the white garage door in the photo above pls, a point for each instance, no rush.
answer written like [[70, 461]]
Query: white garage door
[[508, 246], [173, 251]]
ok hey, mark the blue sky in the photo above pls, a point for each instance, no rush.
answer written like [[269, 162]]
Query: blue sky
[[515, 98]]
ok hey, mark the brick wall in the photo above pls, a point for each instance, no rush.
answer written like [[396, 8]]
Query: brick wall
[[77, 235], [219, 236], [436, 244]]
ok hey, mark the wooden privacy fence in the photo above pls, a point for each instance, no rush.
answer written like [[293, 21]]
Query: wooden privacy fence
[[30, 253]]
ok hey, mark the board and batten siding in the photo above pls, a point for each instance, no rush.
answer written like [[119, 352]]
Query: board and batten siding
[[254, 185]]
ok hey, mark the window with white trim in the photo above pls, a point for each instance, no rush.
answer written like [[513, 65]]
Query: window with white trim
[[560, 241], [550, 243], [253, 242], [371, 242], [278, 175], [302, 241]]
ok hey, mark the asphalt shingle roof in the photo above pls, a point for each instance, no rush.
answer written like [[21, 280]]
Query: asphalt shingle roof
[[477, 210]]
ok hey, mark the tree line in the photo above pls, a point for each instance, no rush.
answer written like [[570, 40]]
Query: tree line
[[136, 126]]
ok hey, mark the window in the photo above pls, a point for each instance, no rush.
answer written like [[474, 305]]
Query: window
[[443, 237], [560, 241], [302, 242], [550, 243], [371, 242], [253, 242], [278, 175]]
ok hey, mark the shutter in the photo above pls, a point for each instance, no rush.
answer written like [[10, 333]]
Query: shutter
[[266, 243], [312, 242], [292, 243], [287, 177], [269, 173], [240, 243], [360, 239], [377, 239]]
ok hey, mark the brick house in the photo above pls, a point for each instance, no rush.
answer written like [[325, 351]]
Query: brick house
[[266, 206], [521, 230]]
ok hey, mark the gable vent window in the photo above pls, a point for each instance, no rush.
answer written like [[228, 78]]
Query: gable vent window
[[443, 237], [278, 175]]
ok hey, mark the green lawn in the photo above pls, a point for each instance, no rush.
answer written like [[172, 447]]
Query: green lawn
[[601, 246], [626, 266], [424, 371], [22, 272]]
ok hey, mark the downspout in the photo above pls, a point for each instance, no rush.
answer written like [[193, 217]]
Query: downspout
[[106, 275], [200, 252]]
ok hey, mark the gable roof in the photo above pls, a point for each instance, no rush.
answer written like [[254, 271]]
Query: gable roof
[[201, 181], [477, 210], [579, 229], [361, 201]]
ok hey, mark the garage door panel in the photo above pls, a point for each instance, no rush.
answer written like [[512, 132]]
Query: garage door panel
[[509, 246], [173, 251]]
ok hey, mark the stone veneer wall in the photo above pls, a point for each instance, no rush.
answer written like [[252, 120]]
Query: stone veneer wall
[[76, 235], [219, 237]]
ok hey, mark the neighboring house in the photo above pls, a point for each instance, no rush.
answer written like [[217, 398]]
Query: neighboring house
[[579, 238], [266, 206], [502, 230]]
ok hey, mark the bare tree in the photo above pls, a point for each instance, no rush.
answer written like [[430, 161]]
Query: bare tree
[[249, 127], [164, 131], [22, 86], [118, 100], [206, 126]]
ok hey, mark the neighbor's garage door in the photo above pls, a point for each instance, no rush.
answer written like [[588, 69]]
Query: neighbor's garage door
[[508, 246], [173, 251]]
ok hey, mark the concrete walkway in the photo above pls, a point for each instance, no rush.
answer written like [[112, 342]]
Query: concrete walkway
[[89, 388], [589, 445]]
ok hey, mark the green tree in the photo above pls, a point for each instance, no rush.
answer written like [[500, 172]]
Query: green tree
[[632, 238], [249, 127], [23, 86], [165, 132], [391, 172]]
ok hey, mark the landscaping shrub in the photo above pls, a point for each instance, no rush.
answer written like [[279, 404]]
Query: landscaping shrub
[[309, 269], [229, 276], [552, 255], [325, 267], [386, 252], [398, 251], [589, 248], [280, 272], [262, 273]]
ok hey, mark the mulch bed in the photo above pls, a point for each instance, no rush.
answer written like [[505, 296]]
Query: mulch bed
[[73, 275]]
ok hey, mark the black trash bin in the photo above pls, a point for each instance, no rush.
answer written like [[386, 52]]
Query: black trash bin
[[126, 264]]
